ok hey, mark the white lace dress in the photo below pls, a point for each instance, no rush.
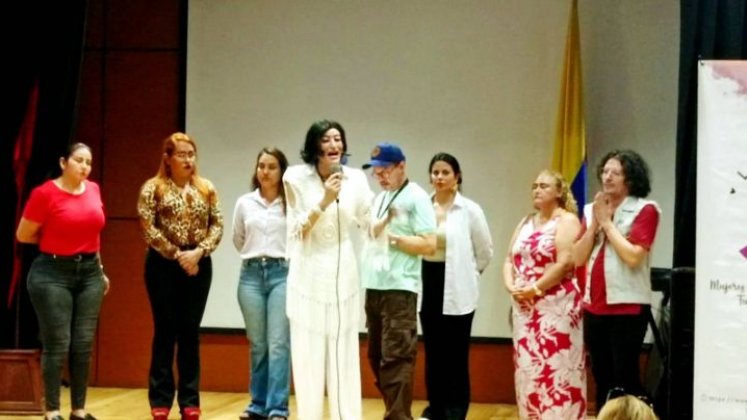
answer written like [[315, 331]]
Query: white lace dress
[[323, 276]]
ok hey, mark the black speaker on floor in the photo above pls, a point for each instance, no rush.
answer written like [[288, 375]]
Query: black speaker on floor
[[680, 401]]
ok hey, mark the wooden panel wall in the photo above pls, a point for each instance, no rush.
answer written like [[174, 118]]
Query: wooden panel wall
[[130, 101], [225, 361]]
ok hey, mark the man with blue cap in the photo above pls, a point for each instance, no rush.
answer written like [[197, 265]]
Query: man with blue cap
[[404, 214]]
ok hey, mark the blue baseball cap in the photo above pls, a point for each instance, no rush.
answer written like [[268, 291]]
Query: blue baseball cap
[[385, 154]]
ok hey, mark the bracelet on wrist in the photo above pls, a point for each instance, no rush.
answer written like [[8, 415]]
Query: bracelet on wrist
[[537, 290]]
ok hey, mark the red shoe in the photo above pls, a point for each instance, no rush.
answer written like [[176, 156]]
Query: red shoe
[[160, 413], [191, 413]]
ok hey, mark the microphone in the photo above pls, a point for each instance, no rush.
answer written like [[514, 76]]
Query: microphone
[[335, 168], [344, 159]]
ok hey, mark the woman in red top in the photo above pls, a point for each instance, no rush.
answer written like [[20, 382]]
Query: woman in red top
[[66, 282], [620, 228]]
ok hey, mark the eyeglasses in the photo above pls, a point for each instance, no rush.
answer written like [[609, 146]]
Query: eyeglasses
[[185, 155], [384, 172]]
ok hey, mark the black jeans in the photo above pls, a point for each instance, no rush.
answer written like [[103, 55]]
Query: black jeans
[[392, 324], [177, 301], [447, 340], [66, 294], [614, 345]]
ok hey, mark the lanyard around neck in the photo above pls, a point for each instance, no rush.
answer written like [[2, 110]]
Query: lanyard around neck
[[379, 212]]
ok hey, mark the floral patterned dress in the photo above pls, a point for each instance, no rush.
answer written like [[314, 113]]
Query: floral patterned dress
[[550, 375]]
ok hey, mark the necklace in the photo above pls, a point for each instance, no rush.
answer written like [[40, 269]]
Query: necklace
[[447, 205]]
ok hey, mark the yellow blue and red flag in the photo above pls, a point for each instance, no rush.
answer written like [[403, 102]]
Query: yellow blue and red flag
[[569, 155]]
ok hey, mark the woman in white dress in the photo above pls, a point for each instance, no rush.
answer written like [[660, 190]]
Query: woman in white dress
[[328, 210]]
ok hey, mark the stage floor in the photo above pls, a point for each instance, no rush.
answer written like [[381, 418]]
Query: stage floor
[[132, 404]]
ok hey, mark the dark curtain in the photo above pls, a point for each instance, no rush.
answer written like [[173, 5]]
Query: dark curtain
[[709, 30], [43, 45]]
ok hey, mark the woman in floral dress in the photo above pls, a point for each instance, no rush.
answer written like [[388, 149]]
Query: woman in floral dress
[[547, 322]]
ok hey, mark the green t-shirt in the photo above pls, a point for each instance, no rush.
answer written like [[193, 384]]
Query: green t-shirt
[[415, 216]]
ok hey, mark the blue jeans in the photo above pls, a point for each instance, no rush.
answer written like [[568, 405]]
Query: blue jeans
[[66, 295], [261, 296]]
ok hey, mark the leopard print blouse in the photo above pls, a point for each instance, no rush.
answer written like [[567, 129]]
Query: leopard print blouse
[[174, 219]]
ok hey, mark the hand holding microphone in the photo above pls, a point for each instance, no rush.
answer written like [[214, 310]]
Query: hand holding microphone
[[332, 185], [335, 168]]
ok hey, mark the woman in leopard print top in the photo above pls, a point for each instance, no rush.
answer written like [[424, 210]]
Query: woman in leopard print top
[[182, 224]]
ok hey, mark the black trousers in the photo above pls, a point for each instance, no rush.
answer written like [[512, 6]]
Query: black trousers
[[177, 301], [446, 339], [614, 346]]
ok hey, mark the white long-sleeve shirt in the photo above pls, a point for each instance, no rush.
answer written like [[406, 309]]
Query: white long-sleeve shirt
[[469, 249], [259, 227]]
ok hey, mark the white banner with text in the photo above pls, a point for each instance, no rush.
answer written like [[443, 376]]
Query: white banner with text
[[720, 371]]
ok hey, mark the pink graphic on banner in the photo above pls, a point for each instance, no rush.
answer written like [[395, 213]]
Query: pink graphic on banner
[[744, 251], [734, 70]]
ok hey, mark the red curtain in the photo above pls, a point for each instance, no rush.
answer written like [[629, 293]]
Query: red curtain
[[21, 157]]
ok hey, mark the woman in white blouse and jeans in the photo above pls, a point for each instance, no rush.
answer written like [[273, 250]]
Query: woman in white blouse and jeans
[[450, 290], [259, 234]]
